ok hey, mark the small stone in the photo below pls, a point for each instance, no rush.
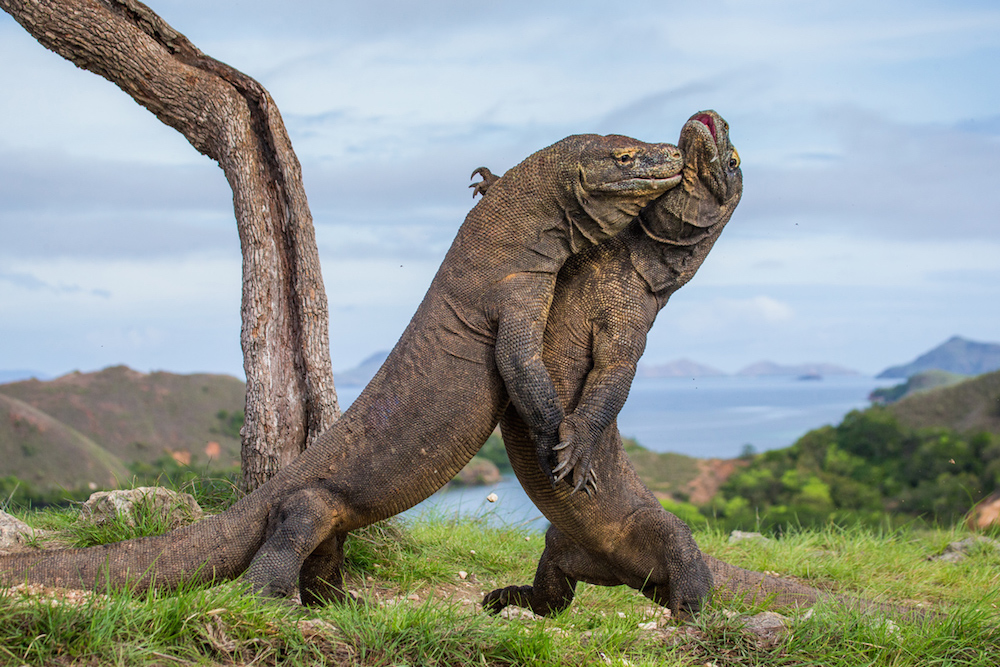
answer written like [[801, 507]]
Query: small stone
[[493, 497], [462, 574], [651, 625], [472, 552], [527, 538], [413, 597], [740, 536], [621, 614]]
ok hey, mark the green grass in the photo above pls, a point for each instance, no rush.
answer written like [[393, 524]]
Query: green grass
[[414, 608]]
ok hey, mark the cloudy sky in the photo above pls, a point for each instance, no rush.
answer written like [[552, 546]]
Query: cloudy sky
[[869, 133]]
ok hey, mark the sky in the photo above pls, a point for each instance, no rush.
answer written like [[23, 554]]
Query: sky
[[869, 135]]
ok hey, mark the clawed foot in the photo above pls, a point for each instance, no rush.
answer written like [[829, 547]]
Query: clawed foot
[[480, 187], [495, 601], [573, 454]]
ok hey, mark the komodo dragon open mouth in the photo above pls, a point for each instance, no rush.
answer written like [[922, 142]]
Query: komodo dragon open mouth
[[708, 122]]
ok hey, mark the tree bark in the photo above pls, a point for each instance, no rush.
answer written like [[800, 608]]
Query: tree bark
[[231, 118]]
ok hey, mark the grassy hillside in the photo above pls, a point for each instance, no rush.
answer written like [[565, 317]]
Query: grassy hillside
[[42, 451], [139, 416], [972, 405], [667, 473]]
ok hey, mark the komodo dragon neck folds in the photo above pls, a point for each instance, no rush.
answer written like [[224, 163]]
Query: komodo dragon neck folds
[[475, 340], [605, 302]]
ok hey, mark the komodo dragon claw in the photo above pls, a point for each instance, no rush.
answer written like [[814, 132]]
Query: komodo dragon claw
[[480, 187], [567, 466]]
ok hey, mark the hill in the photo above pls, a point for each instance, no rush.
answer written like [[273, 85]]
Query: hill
[[676, 369], [972, 405], [955, 355], [139, 417], [40, 450], [12, 375], [762, 368], [922, 381]]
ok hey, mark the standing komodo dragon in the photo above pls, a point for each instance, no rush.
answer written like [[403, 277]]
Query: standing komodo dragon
[[605, 302], [475, 340]]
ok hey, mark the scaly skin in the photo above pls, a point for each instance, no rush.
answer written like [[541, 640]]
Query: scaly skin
[[605, 302], [474, 341]]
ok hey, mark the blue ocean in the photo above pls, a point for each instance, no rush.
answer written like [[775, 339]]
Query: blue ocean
[[705, 417]]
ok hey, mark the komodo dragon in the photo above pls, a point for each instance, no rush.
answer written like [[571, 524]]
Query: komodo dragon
[[622, 535], [605, 302], [475, 339]]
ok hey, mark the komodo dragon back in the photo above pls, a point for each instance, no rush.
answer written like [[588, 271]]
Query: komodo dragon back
[[473, 346]]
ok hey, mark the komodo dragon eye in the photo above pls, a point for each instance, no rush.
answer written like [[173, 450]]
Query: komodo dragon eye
[[625, 158], [734, 161]]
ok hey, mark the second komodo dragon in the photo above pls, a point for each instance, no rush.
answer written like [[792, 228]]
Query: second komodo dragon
[[475, 338], [622, 535]]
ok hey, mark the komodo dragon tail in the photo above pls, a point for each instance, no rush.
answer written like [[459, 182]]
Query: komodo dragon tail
[[732, 583], [213, 549]]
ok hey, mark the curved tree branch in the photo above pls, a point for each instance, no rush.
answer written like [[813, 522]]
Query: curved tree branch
[[231, 118]]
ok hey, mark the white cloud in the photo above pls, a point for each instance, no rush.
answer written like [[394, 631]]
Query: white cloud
[[868, 137], [757, 312]]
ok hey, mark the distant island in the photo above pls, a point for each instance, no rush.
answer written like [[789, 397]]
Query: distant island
[[360, 375], [677, 369], [808, 371], [955, 355]]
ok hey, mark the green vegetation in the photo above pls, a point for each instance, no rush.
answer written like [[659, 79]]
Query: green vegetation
[[968, 406], [868, 469], [666, 472], [923, 381], [495, 452], [230, 423], [414, 607]]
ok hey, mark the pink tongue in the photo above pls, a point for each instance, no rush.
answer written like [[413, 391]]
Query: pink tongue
[[708, 121]]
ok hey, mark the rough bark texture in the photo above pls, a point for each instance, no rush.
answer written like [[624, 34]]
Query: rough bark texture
[[231, 118]]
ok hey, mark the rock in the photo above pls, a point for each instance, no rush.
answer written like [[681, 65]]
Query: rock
[[513, 613], [316, 627], [985, 514], [769, 627], [15, 535], [176, 509], [740, 536], [959, 551]]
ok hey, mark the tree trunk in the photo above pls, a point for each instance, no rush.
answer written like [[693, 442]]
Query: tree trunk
[[231, 118]]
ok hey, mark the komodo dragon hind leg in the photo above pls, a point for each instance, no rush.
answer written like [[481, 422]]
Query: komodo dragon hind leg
[[321, 580], [302, 522], [553, 588], [551, 592]]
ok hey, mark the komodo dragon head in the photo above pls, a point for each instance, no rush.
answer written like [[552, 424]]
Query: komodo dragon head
[[711, 188], [615, 177], [599, 182]]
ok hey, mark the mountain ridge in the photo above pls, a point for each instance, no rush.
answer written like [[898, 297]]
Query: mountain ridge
[[955, 355]]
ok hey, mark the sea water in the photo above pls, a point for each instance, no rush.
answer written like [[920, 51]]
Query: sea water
[[714, 417]]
